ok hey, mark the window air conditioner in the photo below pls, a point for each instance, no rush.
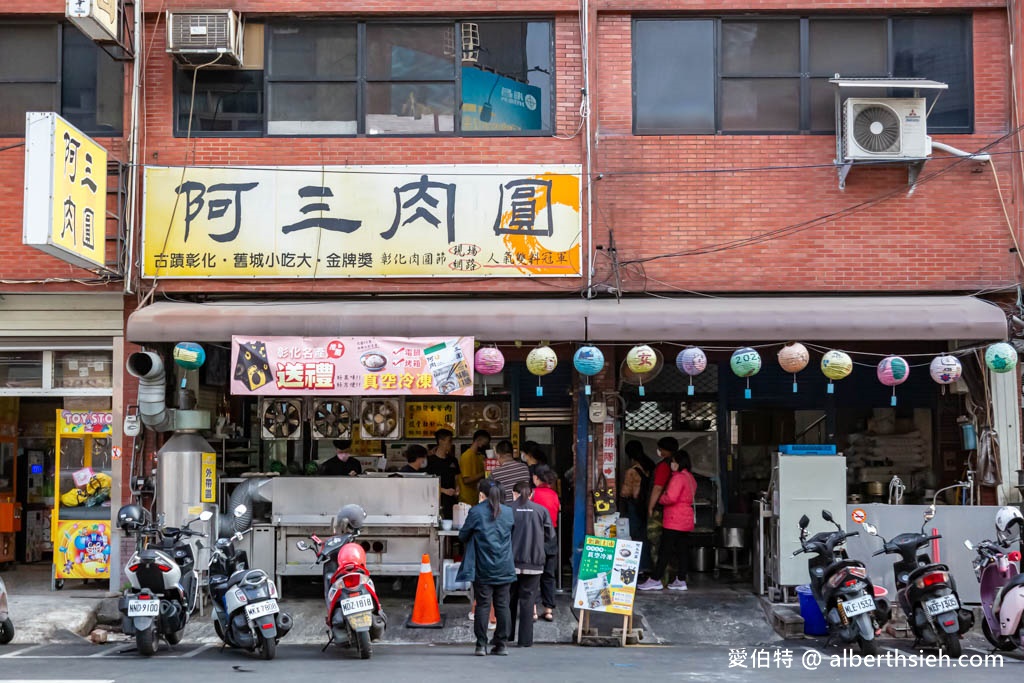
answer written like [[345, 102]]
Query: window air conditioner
[[198, 38], [885, 128]]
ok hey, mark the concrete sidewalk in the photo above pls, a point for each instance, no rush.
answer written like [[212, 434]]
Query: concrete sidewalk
[[44, 616]]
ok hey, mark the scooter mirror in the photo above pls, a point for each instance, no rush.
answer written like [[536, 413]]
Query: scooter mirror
[[929, 514], [968, 544], [826, 515], [870, 528], [804, 522], [205, 516], [302, 545], [240, 510]]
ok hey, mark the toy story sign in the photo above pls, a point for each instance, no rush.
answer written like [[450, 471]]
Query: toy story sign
[[352, 366], [362, 221]]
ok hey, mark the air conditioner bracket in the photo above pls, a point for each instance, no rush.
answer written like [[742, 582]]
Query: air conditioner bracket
[[914, 167]]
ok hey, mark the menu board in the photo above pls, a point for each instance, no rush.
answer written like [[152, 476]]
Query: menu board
[[423, 418], [608, 573]]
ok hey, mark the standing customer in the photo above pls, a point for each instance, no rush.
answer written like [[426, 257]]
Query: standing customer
[[678, 522], [636, 493], [471, 466], [545, 495], [509, 471], [487, 535], [530, 535]]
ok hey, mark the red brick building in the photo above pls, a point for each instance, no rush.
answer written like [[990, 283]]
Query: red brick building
[[705, 141]]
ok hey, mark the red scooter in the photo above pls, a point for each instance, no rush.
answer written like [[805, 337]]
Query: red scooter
[[355, 617]]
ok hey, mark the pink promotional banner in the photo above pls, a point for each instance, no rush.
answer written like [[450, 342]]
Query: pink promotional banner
[[352, 366]]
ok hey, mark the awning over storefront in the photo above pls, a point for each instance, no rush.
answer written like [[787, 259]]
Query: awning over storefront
[[739, 319]]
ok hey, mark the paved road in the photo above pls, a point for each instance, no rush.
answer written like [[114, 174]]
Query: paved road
[[430, 664]]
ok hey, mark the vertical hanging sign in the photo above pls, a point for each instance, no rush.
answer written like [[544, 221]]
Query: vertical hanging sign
[[65, 209], [608, 452], [209, 483]]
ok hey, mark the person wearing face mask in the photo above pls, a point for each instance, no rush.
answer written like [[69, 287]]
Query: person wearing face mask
[[678, 522], [342, 464]]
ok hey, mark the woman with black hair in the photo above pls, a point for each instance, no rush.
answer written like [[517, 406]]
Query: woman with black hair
[[678, 522], [487, 536], [532, 531]]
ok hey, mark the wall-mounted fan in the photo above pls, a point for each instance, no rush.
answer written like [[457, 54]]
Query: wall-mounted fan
[[330, 418], [380, 418], [281, 418]]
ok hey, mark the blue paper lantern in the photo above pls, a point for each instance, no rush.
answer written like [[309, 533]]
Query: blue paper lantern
[[189, 355], [588, 360]]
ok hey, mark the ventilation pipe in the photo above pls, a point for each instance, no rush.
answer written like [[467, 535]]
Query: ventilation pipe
[[149, 369], [981, 158], [246, 493]]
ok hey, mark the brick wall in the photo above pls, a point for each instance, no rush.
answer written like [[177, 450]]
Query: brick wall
[[655, 193]]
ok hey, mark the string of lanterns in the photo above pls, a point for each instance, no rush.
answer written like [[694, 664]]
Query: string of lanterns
[[745, 362]]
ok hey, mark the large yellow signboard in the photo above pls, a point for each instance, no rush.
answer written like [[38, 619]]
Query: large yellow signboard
[[65, 191], [362, 221]]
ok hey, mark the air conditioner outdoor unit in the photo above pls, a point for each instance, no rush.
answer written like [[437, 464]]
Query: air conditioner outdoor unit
[[198, 38], [885, 128]]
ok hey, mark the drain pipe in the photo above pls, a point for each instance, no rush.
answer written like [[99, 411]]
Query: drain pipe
[[982, 158], [149, 369]]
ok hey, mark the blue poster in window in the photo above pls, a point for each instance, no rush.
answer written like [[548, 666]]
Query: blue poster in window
[[492, 102]]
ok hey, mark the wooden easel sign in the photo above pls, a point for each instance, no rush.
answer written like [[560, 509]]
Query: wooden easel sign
[[607, 580]]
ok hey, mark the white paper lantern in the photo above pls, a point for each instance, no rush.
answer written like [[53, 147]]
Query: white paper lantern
[[945, 369]]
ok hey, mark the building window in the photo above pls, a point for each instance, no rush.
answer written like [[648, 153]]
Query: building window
[[226, 103], [770, 75], [53, 67], [377, 78]]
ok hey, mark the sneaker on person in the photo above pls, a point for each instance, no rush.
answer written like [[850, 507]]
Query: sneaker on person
[[677, 585], [650, 585]]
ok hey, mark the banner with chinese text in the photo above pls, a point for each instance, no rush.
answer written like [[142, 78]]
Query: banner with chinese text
[[352, 366], [362, 221], [423, 418]]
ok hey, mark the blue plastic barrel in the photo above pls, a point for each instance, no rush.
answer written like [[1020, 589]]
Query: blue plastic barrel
[[814, 621]]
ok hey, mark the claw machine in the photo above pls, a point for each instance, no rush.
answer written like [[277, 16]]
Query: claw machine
[[81, 524]]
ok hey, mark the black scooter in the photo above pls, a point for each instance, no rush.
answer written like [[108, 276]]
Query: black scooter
[[842, 588], [246, 613], [926, 590]]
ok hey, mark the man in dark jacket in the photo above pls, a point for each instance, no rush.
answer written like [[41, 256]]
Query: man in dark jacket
[[487, 535], [532, 531]]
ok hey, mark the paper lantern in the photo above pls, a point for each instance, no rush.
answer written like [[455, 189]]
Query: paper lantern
[[588, 360], [641, 359], [488, 360], [893, 370], [794, 357], [745, 362], [692, 361], [836, 365], [541, 361], [1001, 357], [945, 369], [189, 355]]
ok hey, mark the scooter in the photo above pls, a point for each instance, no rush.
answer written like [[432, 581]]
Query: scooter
[[6, 625], [354, 613], [1002, 589], [245, 610], [926, 590], [842, 588], [163, 579]]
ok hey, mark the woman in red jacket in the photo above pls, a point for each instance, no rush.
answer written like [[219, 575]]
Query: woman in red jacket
[[678, 522], [544, 478]]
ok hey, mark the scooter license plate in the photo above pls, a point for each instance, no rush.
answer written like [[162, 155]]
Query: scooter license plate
[[852, 608], [143, 608], [359, 603], [946, 603], [261, 609]]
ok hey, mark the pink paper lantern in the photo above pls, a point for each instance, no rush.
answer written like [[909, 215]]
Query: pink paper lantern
[[893, 370], [489, 360]]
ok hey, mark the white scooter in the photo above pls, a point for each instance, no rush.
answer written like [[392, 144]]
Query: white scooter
[[6, 625]]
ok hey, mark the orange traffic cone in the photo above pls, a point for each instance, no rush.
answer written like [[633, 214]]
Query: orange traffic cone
[[425, 611]]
